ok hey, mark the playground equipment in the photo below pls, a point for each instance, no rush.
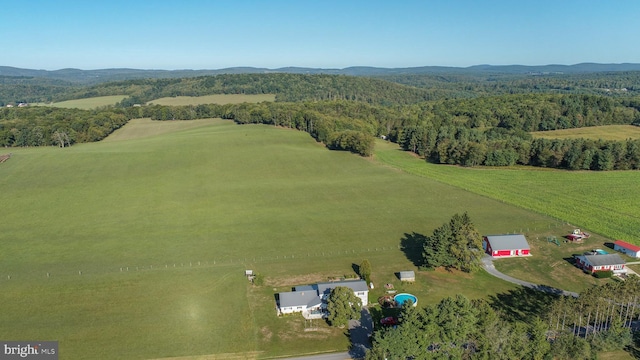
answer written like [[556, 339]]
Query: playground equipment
[[553, 239], [578, 235]]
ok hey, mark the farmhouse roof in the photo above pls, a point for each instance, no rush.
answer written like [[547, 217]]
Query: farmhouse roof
[[305, 288], [299, 298], [355, 285], [507, 242], [603, 260], [626, 245]]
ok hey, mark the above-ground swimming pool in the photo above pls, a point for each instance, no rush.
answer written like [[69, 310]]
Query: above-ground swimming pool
[[401, 298]]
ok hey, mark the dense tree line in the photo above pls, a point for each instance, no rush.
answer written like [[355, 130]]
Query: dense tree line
[[44, 126], [470, 85], [458, 328], [612, 306], [490, 131], [500, 147], [340, 125], [494, 131]]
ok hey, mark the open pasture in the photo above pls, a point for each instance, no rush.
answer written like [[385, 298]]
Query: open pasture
[[88, 103], [605, 132], [220, 99], [136, 248], [145, 127], [602, 202]]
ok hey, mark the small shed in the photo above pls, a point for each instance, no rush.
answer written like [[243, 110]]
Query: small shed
[[626, 248], [409, 276]]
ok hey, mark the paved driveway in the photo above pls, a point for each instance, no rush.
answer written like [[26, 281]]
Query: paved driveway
[[487, 262], [360, 332]]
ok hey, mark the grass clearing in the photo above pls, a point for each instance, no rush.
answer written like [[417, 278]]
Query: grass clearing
[[602, 202], [605, 132], [143, 128], [220, 99], [88, 103], [146, 239]]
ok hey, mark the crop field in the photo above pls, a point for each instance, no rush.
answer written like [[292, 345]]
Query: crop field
[[135, 247], [88, 103], [213, 99], [606, 132], [602, 202]]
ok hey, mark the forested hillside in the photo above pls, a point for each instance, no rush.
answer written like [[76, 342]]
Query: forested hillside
[[491, 131], [616, 84], [23, 89], [286, 87], [453, 119]]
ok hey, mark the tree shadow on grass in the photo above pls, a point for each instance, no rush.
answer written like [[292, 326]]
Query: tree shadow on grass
[[412, 246], [634, 349], [356, 268], [523, 303]]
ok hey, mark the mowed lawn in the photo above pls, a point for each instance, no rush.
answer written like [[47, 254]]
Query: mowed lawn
[[601, 202], [213, 99], [88, 103], [605, 132], [136, 248]]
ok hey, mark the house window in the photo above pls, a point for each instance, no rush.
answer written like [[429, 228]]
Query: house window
[[299, 307]]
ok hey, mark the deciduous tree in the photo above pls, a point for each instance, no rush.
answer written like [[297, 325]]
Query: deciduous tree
[[343, 305]]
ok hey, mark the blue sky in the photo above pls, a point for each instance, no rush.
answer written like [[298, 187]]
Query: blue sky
[[192, 34]]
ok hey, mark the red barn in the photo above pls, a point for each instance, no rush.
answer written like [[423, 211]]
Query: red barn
[[625, 247], [506, 245]]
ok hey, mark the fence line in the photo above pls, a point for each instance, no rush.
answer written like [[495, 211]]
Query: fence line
[[226, 261]]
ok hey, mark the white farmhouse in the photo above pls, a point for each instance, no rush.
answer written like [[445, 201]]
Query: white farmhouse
[[311, 300]]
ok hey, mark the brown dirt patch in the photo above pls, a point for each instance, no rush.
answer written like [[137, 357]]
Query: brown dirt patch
[[295, 280], [266, 333]]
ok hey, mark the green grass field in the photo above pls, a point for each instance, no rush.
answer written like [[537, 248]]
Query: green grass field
[[88, 103], [602, 202], [606, 132], [135, 247], [213, 99]]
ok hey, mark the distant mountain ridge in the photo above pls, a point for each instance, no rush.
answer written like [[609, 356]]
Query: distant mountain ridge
[[104, 75]]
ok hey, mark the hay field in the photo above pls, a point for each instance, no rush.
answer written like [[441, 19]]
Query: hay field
[[88, 103], [145, 127], [137, 248], [606, 132], [212, 99]]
